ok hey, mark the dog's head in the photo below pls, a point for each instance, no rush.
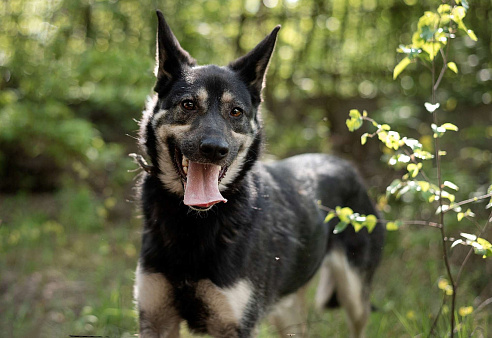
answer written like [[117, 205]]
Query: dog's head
[[202, 128]]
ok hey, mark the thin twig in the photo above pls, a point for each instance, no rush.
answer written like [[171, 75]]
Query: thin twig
[[437, 147], [434, 323], [474, 199]]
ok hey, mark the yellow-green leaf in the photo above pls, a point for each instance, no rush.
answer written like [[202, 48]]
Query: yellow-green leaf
[[471, 34], [371, 222], [393, 226], [400, 67], [330, 215], [449, 126], [453, 67], [363, 138]]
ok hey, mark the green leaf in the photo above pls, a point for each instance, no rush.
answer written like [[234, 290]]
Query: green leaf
[[344, 214], [393, 226], [471, 34], [422, 154], [444, 8], [354, 113], [412, 143], [355, 121], [424, 186], [363, 138], [451, 185], [370, 222], [458, 13], [394, 186], [449, 126], [414, 169], [453, 67], [340, 227], [400, 67], [330, 215], [468, 236]]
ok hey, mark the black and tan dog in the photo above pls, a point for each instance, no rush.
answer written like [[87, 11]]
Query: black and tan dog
[[229, 240]]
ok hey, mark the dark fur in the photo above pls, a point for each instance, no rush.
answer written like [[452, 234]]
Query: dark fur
[[270, 232]]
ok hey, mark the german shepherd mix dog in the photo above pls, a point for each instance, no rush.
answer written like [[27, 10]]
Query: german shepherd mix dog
[[227, 239]]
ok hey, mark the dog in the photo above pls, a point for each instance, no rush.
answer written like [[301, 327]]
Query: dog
[[227, 239]]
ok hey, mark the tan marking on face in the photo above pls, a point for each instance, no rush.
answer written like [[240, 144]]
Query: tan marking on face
[[157, 117], [227, 97], [168, 176], [226, 306], [202, 96], [153, 295], [237, 164]]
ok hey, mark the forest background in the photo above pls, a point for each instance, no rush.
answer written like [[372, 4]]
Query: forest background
[[74, 77]]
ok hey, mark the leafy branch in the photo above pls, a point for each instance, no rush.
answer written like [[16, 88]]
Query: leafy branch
[[432, 39]]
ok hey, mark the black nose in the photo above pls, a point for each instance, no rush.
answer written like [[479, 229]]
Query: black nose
[[214, 149]]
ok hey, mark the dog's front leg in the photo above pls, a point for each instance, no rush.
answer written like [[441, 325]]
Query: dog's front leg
[[158, 317]]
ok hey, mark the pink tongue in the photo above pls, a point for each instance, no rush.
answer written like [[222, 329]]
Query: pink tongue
[[202, 188]]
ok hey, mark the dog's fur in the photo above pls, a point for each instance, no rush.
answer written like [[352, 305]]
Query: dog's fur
[[223, 267]]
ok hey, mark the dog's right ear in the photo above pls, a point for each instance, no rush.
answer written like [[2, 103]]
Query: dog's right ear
[[171, 58]]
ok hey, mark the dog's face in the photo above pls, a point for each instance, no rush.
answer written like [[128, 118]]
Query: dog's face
[[199, 128]]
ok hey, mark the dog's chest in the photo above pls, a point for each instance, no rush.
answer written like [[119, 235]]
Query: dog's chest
[[212, 309]]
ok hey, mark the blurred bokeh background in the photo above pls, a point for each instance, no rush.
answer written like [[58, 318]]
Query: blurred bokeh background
[[74, 76]]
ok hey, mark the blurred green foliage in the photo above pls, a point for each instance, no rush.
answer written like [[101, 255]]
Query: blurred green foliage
[[74, 76]]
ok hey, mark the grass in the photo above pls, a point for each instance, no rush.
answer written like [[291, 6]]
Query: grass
[[63, 275]]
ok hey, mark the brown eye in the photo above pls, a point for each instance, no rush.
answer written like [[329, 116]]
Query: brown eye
[[188, 105], [236, 112]]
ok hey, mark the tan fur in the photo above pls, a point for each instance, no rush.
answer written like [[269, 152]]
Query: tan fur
[[235, 167], [290, 314], [351, 293], [202, 96], [169, 177], [226, 306], [227, 97], [154, 298]]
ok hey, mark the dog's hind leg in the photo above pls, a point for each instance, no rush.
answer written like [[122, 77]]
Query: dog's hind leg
[[338, 279], [289, 315], [157, 316]]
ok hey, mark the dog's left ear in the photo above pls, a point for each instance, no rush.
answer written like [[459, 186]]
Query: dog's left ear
[[252, 67]]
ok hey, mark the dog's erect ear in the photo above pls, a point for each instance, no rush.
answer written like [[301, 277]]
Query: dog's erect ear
[[171, 58], [252, 67]]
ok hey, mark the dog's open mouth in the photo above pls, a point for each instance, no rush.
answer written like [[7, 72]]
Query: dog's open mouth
[[200, 181]]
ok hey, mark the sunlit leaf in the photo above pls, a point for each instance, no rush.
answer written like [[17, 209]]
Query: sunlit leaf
[[451, 185], [371, 222], [340, 227], [393, 226], [453, 67], [329, 216], [363, 138], [449, 126], [400, 67], [472, 35], [431, 107]]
